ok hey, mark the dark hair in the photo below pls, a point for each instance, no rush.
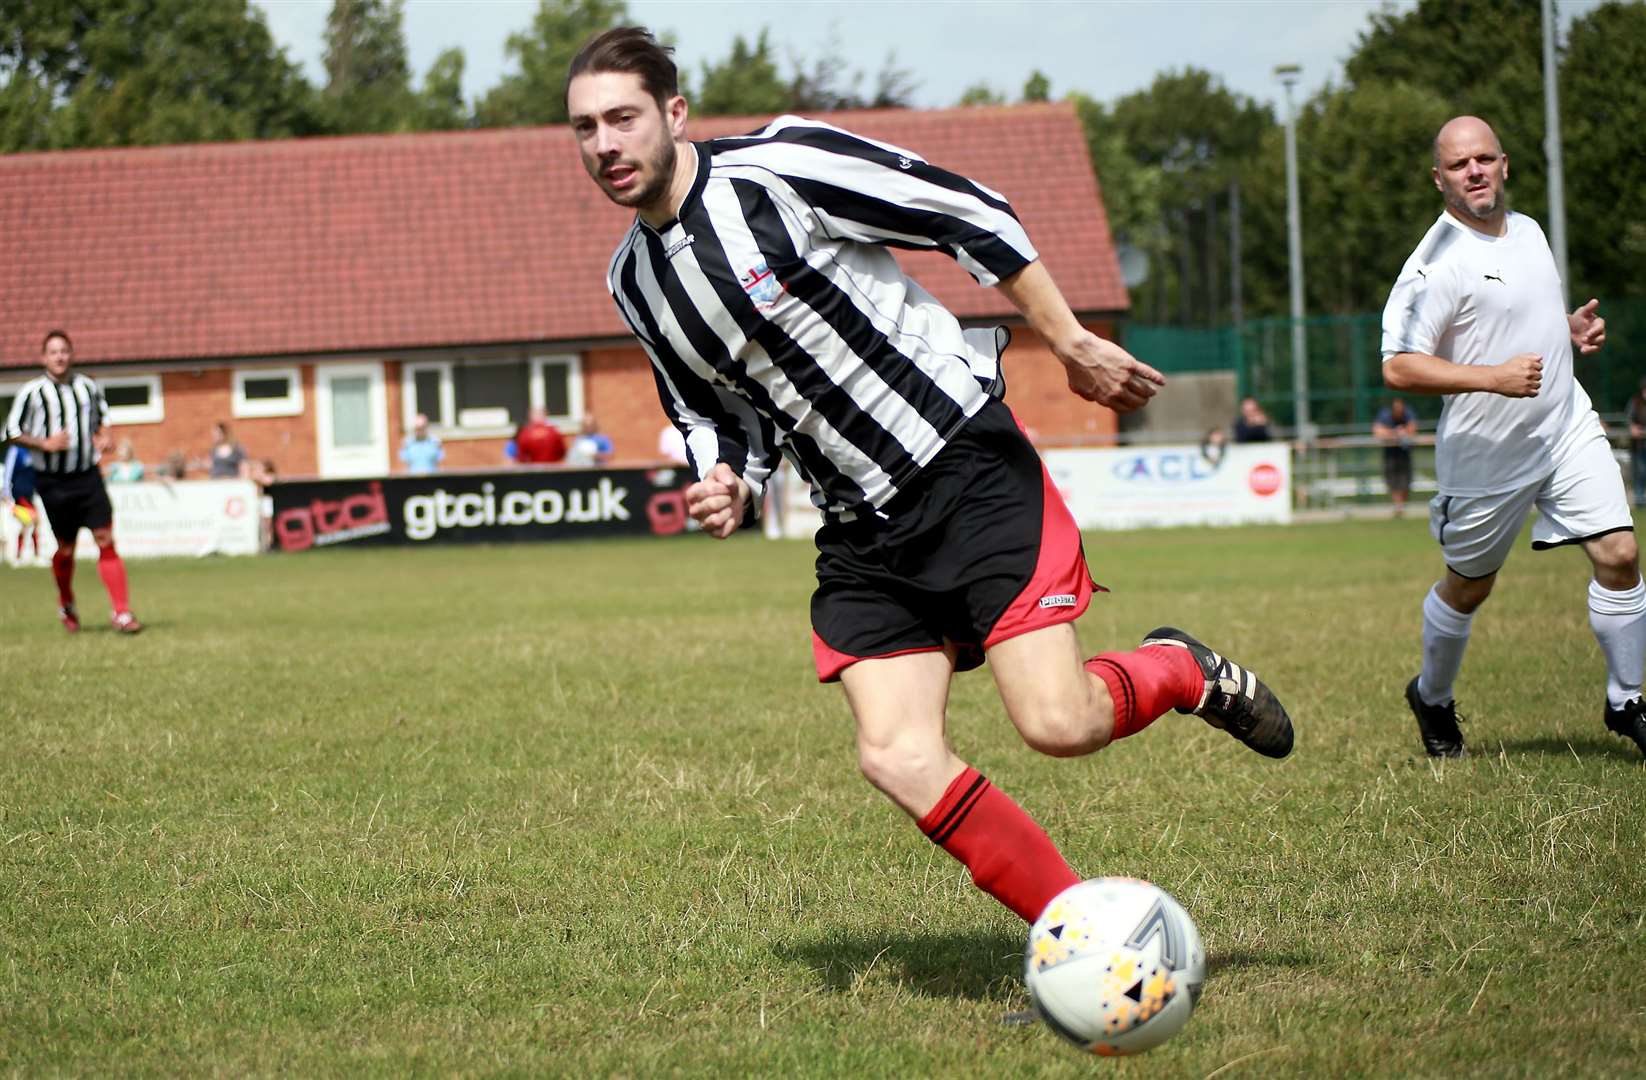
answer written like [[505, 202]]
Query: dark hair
[[631, 49], [64, 334]]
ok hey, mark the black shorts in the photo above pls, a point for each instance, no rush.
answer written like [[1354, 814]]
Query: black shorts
[[74, 501], [979, 549]]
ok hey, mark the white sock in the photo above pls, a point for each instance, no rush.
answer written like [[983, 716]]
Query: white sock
[[1619, 622], [1445, 636]]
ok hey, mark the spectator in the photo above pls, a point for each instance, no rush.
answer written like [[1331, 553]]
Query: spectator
[[17, 492], [421, 451], [591, 447], [227, 459], [1395, 426], [263, 473], [126, 469], [1252, 425], [1213, 445], [1637, 444], [538, 442], [671, 445], [176, 467]]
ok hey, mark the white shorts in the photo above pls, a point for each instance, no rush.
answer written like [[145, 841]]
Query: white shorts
[[1581, 500]]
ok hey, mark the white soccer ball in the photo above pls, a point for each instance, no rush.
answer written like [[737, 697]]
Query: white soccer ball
[[1115, 965]]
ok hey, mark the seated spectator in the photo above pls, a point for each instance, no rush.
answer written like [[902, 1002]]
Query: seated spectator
[[421, 451], [538, 442], [1252, 425], [591, 447], [227, 459], [1213, 445], [175, 467], [126, 469]]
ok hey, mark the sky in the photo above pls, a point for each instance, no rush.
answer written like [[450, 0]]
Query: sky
[[1103, 48]]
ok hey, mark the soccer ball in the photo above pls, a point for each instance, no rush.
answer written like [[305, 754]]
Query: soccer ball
[[1115, 965]]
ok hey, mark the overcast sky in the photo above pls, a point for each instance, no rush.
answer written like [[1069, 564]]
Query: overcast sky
[[1104, 48]]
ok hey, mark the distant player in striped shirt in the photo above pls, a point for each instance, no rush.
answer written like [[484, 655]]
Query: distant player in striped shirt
[[62, 419], [757, 278]]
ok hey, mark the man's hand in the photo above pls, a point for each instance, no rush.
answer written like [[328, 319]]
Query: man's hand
[[1519, 376], [103, 439], [718, 501], [1103, 372], [1588, 329], [55, 443]]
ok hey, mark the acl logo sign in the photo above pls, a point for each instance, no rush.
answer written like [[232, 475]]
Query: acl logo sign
[[1164, 467]]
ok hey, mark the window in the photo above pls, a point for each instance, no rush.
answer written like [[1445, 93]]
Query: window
[[133, 399], [490, 396], [268, 392], [8, 394]]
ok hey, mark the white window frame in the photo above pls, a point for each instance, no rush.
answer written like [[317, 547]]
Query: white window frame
[[445, 424], [152, 413], [290, 405]]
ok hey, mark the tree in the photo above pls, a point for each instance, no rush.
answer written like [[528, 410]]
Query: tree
[[980, 93], [1437, 46], [829, 84], [536, 94], [125, 72], [1038, 87], [1605, 151], [368, 84], [746, 83], [1194, 136], [440, 103]]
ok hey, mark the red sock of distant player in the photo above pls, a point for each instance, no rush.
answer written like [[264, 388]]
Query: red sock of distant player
[[113, 573], [1145, 683], [1010, 857], [62, 569]]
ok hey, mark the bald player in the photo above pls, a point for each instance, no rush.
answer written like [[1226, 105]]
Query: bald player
[[1478, 316]]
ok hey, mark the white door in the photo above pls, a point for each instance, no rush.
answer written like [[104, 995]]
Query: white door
[[352, 426]]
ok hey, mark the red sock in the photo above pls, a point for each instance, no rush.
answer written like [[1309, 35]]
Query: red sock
[[113, 573], [62, 568], [1145, 683], [1010, 857]]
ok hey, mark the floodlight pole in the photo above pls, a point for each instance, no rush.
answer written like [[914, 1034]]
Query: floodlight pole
[[1288, 75], [1551, 146]]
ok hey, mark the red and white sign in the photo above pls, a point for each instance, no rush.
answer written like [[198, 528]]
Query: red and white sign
[[1137, 487]]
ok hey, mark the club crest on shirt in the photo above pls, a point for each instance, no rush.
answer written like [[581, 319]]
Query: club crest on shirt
[[761, 285]]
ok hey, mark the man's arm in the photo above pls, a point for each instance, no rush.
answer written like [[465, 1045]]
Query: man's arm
[[1098, 370], [1419, 373]]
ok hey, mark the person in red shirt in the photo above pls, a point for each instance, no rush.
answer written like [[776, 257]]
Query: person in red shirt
[[538, 442]]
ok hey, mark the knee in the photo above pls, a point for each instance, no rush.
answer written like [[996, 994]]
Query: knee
[[1617, 561], [901, 766], [1059, 729]]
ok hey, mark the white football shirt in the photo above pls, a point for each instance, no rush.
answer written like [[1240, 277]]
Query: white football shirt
[[1476, 299]]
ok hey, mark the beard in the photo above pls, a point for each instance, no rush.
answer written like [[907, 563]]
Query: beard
[[1459, 201], [660, 167]]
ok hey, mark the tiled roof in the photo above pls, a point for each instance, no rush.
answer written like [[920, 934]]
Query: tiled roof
[[391, 242]]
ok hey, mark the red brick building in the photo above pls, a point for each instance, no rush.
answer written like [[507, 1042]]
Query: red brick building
[[316, 293]]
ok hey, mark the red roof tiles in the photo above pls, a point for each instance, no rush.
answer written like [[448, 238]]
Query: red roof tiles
[[397, 242]]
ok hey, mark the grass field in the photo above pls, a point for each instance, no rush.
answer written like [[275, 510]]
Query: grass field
[[582, 809]]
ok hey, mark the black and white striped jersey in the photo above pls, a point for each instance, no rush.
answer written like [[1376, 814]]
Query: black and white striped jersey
[[44, 406], [777, 320]]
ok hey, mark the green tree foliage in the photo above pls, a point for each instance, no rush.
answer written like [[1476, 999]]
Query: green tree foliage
[[368, 78], [1038, 87], [980, 93], [1603, 129], [536, 94], [130, 72], [1190, 137], [1365, 191], [439, 105], [746, 83], [1131, 189]]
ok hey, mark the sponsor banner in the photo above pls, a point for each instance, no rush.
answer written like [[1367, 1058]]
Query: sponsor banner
[[193, 518], [453, 508], [1142, 487]]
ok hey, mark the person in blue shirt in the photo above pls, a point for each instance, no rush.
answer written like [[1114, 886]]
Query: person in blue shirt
[[17, 489], [421, 451]]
